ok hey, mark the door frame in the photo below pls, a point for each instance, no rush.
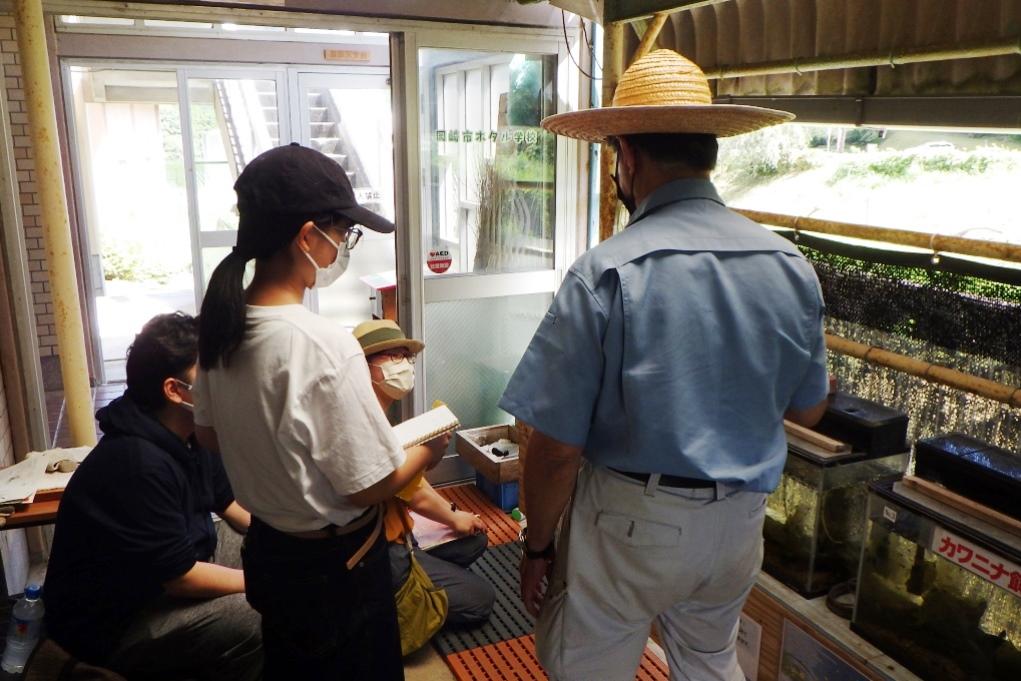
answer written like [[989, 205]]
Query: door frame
[[568, 241], [287, 78], [218, 239]]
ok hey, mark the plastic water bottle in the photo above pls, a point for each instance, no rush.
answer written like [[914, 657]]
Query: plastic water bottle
[[23, 635]]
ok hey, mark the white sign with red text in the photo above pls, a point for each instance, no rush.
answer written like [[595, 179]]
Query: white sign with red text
[[980, 561], [439, 261]]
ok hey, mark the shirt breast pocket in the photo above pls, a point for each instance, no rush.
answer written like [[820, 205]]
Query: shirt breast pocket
[[638, 532]]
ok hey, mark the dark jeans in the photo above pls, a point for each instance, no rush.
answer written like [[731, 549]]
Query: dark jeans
[[470, 597], [319, 619]]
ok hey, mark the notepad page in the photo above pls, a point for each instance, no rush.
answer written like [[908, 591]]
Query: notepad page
[[429, 425]]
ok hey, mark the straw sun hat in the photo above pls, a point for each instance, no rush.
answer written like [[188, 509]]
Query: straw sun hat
[[663, 93], [382, 334]]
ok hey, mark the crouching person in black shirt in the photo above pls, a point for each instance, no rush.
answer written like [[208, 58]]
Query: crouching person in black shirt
[[131, 583]]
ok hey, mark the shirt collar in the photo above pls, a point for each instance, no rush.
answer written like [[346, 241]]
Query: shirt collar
[[672, 192]]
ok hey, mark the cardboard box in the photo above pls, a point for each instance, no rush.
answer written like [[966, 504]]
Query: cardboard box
[[469, 444]]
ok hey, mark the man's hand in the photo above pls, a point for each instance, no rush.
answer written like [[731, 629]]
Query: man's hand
[[437, 447], [536, 574], [467, 523]]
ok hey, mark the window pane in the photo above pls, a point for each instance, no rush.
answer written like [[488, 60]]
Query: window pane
[[473, 347], [489, 170], [351, 122], [233, 121], [134, 205], [921, 179]]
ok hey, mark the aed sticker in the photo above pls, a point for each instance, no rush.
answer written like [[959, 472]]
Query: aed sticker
[[439, 261], [890, 514]]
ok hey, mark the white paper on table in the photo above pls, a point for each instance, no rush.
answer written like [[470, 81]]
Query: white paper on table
[[19, 482], [48, 481]]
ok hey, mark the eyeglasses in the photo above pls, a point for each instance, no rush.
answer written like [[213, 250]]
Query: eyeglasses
[[352, 237], [187, 386], [398, 355], [352, 234]]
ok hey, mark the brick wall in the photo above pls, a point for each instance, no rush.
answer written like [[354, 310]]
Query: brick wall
[[25, 168]]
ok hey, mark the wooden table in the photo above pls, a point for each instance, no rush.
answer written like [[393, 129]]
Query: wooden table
[[42, 511]]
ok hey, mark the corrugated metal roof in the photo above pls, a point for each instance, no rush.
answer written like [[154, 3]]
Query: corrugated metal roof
[[743, 32]]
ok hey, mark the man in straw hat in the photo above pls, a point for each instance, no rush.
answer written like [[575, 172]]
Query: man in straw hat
[[657, 385]]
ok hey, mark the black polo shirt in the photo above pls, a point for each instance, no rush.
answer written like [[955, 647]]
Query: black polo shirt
[[135, 514]]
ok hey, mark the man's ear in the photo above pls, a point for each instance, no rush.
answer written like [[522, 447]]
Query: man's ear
[[172, 391], [628, 154]]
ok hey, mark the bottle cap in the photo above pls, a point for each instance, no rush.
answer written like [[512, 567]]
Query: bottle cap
[[33, 591]]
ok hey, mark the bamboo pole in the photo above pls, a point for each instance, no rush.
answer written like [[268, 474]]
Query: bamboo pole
[[945, 52], [613, 67], [42, 117], [934, 373], [649, 37], [904, 237]]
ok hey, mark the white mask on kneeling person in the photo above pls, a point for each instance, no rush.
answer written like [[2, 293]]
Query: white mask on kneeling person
[[398, 378]]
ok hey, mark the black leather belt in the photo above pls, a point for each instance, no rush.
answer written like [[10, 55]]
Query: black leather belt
[[669, 480]]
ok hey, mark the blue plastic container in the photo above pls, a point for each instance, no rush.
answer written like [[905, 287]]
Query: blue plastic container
[[504, 495]]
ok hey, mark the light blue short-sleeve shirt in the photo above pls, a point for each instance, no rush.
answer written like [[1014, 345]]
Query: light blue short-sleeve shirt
[[676, 346]]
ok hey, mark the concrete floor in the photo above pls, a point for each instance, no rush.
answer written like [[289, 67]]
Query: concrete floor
[[426, 665]]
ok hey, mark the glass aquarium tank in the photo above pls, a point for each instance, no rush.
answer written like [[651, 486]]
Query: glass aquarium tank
[[938, 590], [815, 519]]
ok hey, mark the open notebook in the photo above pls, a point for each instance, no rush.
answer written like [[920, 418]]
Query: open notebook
[[429, 425]]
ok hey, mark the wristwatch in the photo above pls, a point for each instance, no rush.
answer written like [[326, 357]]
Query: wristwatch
[[544, 554]]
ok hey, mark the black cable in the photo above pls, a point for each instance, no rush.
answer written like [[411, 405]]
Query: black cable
[[591, 47], [563, 22]]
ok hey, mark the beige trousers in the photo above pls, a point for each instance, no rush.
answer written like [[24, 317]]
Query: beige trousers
[[631, 554]]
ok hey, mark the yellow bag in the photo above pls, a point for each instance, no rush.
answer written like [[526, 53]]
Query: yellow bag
[[421, 605]]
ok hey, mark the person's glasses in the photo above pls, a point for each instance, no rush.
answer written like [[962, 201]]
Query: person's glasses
[[399, 355], [352, 234], [352, 237]]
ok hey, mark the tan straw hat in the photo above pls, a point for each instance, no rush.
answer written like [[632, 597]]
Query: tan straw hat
[[662, 93], [383, 334]]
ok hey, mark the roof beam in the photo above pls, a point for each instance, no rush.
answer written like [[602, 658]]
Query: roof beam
[[630, 10]]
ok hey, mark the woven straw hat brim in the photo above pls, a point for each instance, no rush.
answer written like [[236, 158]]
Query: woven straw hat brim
[[722, 120], [415, 346]]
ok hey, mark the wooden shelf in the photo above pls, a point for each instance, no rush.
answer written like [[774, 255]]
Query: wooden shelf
[[42, 511], [770, 603]]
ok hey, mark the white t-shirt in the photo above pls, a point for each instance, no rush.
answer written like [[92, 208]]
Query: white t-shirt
[[298, 424]]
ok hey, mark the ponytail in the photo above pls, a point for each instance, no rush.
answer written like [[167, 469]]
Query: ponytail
[[222, 319]]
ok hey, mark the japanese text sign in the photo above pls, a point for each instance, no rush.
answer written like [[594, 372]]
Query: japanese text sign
[[980, 561]]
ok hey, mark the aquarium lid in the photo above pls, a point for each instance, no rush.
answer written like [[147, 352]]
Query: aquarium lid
[[992, 538]]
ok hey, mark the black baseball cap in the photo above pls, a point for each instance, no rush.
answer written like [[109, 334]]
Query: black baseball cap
[[293, 181]]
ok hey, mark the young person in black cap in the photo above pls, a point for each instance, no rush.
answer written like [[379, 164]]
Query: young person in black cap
[[285, 396]]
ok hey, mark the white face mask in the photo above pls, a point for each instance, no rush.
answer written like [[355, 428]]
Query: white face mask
[[398, 378], [331, 273]]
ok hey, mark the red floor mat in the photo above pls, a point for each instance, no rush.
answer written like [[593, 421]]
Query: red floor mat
[[501, 527], [514, 660]]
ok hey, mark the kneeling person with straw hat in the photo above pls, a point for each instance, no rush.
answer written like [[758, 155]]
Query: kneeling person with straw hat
[[657, 384]]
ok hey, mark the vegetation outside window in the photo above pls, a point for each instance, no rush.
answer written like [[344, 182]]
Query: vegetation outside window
[[489, 168]]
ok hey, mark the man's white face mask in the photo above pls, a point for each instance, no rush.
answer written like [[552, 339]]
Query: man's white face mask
[[398, 378], [187, 406], [331, 273]]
